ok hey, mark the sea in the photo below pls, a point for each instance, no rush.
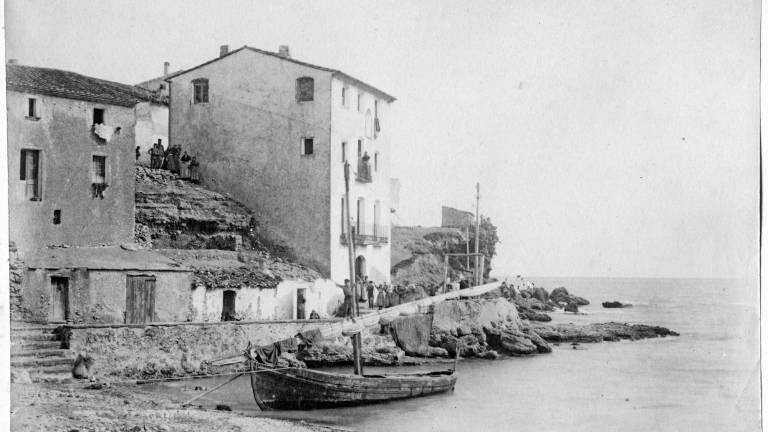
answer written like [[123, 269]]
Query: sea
[[707, 379]]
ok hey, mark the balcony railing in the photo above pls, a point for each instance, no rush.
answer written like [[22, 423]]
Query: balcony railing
[[369, 234], [364, 171]]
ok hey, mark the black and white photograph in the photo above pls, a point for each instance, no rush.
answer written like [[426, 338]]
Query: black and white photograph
[[337, 216]]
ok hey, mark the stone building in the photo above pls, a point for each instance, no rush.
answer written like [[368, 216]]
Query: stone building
[[71, 157], [274, 133], [105, 285]]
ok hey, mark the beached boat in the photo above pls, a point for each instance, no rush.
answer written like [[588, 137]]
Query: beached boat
[[295, 388]]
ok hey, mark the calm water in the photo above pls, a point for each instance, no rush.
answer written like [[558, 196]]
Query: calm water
[[705, 380]]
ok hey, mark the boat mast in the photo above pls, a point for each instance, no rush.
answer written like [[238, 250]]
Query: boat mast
[[356, 345]]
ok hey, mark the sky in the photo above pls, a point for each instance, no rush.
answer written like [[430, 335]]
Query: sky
[[610, 138]]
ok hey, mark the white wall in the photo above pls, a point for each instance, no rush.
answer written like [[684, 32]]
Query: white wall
[[348, 124], [269, 304]]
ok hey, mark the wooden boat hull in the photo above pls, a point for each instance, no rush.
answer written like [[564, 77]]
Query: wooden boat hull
[[299, 389]]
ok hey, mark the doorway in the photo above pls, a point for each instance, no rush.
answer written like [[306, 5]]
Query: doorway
[[301, 303], [360, 268], [228, 306], [59, 298], [139, 299]]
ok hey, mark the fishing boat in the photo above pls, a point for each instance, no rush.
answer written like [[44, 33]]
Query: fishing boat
[[299, 388]]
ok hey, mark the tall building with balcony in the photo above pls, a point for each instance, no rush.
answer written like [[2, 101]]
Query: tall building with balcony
[[274, 133]]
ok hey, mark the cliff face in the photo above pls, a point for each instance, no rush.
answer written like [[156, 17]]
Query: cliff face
[[418, 255]]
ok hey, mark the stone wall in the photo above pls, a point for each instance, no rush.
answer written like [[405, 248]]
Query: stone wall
[[174, 350]]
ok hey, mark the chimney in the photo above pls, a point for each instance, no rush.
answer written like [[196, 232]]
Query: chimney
[[284, 51], [223, 50], [166, 66], [13, 61]]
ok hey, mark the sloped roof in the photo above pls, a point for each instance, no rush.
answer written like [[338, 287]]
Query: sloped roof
[[71, 85], [102, 258], [335, 72]]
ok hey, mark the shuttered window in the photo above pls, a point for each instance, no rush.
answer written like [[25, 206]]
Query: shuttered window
[[201, 90], [305, 89]]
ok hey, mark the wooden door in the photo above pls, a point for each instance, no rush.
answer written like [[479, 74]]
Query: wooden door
[[139, 299], [59, 298]]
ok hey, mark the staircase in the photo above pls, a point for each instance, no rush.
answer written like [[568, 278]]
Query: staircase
[[37, 350]]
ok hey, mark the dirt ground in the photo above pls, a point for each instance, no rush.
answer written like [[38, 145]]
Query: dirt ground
[[71, 407]]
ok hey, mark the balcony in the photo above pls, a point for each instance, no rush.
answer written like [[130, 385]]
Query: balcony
[[370, 234], [364, 170]]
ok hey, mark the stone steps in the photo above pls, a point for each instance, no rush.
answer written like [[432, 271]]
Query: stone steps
[[39, 353], [23, 346], [36, 350], [42, 362]]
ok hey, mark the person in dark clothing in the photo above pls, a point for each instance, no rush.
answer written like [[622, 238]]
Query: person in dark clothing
[[381, 297], [347, 307], [138, 152], [314, 315], [194, 174], [156, 156], [369, 290]]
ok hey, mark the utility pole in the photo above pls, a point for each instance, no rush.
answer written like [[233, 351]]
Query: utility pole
[[478, 276], [356, 342], [467, 246]]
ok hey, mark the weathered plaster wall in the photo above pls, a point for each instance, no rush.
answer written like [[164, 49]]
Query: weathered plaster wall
[[98, 296], [247, 139], [63, 135], [266, 304], [177, 349], [349, 125], [151, 125]]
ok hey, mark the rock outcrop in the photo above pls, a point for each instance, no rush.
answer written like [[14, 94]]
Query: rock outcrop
[[609, 332]]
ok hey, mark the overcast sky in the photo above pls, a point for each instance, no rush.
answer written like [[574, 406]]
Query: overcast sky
[[610, 137]]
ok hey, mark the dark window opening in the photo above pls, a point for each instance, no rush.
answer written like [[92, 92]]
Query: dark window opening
[[344, 151], [56, 217], [359, 149], [32, 108], [376, 161], [305, 89], [98, 116], [344, 96], [30, 173], [228, 311], [308, 145], [200, 86]]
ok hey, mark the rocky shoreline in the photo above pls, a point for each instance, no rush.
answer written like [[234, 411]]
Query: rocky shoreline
[[504, 322]]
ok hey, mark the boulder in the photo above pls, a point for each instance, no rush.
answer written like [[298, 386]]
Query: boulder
[[571, 307]]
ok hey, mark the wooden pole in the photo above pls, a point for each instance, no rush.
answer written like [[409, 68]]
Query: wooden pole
[[445, 273], [477, 235], [467, 247], [356, 345]]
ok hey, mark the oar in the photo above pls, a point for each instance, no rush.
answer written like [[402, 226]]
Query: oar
[[213, 389]]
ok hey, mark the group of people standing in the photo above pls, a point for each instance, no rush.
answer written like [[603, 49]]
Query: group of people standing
[[376, 295], [173, 160]]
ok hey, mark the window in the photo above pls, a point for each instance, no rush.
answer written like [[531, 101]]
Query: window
[[32, 108], [200, 86], [361, 216], [98, 116], [30, 173], [228, 306], [344, 91], [307, 146], [376, 161], [368, 124], [98, 176], [57, 217], [305, 89], [359, 102], [99, 172], [344, 151], [359, 149]]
